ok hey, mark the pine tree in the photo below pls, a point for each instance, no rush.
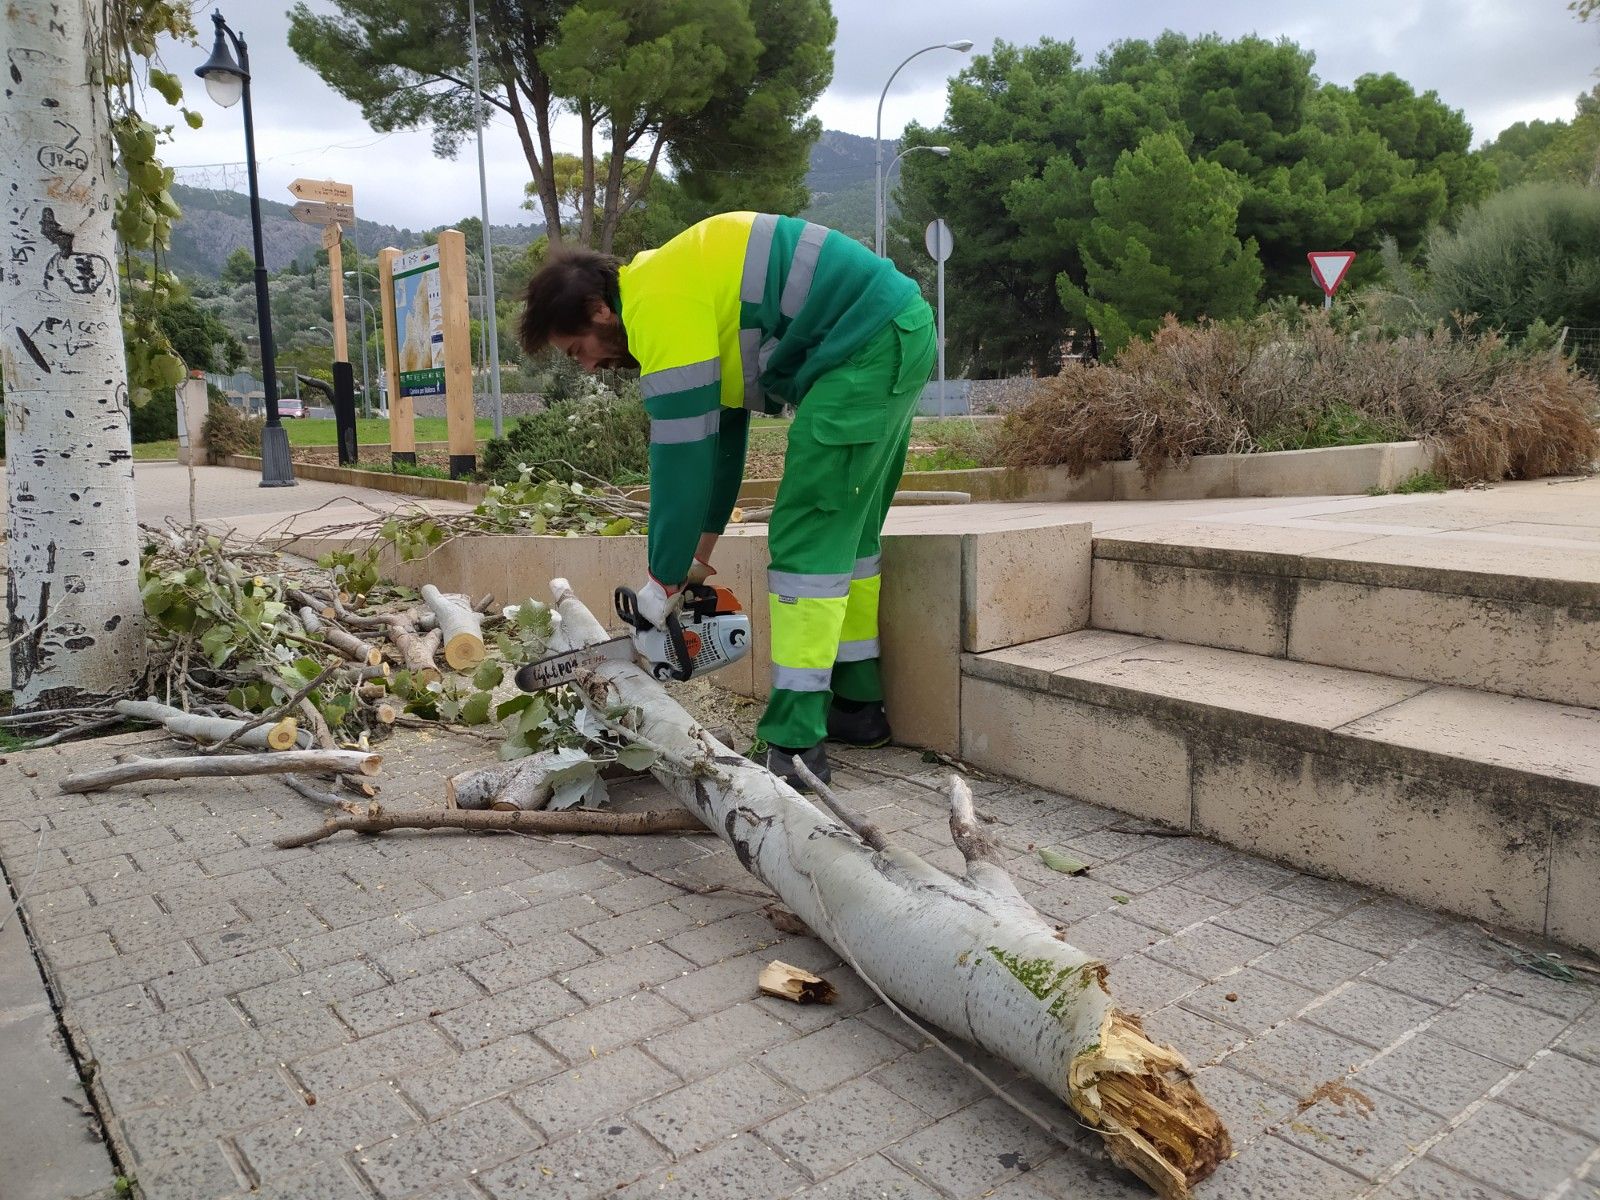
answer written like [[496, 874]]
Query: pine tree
[[1162, 241]]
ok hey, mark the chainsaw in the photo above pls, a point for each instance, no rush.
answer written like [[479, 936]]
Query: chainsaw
[[709, 631]]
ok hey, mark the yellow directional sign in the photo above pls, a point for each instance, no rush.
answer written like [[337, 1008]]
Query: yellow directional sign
[[324, 214], [324, 190]]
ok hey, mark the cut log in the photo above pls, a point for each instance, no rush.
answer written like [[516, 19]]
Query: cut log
[[137, 769], [416, 653], [285, 735], [791, 983], [352, 647], [572, 820], [200, 728], [461, 626], [520, 786], [966, 953]]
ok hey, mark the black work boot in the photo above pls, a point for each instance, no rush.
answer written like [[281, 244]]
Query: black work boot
[[861, 723], [780, 761]]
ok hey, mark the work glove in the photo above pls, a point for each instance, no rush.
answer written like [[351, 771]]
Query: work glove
[[700, 571], [657, 602]]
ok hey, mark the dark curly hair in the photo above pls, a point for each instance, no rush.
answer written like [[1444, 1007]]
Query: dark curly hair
[[562, 295]]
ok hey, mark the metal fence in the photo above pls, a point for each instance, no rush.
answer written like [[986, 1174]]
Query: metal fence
[[1583, 344]]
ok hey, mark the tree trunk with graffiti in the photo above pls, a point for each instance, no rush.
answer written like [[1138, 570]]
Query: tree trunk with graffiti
[[75, 622]]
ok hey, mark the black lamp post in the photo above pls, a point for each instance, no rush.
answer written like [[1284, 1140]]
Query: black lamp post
[[227, 79]]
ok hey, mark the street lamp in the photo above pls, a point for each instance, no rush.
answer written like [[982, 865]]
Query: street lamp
[[941, 151], [961, 44], [366, 394], [227, 79]]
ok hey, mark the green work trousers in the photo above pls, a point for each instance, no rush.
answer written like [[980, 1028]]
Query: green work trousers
[[847, 450]]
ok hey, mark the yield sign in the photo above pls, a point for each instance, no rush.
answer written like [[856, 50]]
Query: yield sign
[[1329, 266]]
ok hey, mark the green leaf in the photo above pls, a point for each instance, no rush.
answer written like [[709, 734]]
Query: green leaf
[[618, 527], [1061, 862], [636, 757], [514, 705], [476, 710], [488, 675], [217, 642]]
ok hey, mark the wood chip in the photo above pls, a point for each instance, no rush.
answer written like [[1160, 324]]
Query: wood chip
[[791, 983]]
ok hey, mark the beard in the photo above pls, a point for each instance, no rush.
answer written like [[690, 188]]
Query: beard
[[617, 357]]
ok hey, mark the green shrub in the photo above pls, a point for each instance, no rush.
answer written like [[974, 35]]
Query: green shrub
[[1521, 256], [597, 432], [1339, 424], [420, 470], [230, 431], [156, 420]]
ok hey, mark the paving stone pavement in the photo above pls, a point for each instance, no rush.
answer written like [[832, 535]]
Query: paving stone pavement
[[472, 1017]]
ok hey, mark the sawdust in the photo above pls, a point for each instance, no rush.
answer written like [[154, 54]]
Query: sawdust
[[714, 706], [1336, 1091]]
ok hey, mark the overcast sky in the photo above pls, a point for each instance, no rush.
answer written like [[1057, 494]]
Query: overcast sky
[[1499, 61]]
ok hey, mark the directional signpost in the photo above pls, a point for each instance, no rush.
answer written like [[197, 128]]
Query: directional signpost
[[1328, 268], [326, 191], [314, 212], [332, 205]]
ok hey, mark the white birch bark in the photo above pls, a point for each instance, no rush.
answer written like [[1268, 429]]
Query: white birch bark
[[967, 954], [75, 619]]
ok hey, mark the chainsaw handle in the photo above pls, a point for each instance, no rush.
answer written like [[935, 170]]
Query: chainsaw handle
[[627, 605]]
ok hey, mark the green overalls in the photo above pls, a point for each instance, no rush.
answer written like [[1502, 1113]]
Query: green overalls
[[747, 312]]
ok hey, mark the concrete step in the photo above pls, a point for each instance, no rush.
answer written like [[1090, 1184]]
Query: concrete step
[[1518, 619], [1476, 803]]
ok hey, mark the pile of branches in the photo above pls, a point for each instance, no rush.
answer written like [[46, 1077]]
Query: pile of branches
[[299, 656], [253, 650]]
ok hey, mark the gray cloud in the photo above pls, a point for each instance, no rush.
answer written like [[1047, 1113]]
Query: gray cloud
[[1497, 60]]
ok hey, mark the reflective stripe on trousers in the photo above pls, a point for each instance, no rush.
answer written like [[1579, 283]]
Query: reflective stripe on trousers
[[807, 613], [858, 637]]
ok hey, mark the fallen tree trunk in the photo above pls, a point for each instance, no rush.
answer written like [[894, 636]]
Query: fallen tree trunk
[[460, 625], [967, 953], [572, 820], [200, 728], [138, 769]]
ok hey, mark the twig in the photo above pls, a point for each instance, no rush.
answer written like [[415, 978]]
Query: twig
[[76, 731], [1586, 968], [202, 767], [572, 820], [860, 826], [317, 796]]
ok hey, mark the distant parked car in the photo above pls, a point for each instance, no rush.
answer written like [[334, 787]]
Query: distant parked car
[[289, 406]]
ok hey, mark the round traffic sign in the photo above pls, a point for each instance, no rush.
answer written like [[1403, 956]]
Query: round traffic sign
[[939, 240]]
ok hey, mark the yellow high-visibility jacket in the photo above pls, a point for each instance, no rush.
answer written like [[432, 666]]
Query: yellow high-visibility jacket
[[737, 314]]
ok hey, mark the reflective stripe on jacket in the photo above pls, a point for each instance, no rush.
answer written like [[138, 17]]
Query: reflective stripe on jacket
[[739, 313]]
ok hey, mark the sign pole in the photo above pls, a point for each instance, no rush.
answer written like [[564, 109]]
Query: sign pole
[[460, 409], [939, 241], [341, 347]]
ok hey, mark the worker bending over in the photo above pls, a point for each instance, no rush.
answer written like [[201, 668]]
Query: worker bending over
[[748, 312]]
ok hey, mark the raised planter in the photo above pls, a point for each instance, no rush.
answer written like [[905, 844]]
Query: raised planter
[[1332, 471], [984, 582], [383, 481]]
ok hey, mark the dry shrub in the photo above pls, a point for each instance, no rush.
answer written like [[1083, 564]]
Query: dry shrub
[[230, 431], [1491, 412]]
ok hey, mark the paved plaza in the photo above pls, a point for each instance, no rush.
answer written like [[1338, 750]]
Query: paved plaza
[[471, 1016]]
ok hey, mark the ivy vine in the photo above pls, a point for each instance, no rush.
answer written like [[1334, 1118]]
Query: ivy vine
[[145, 211]]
